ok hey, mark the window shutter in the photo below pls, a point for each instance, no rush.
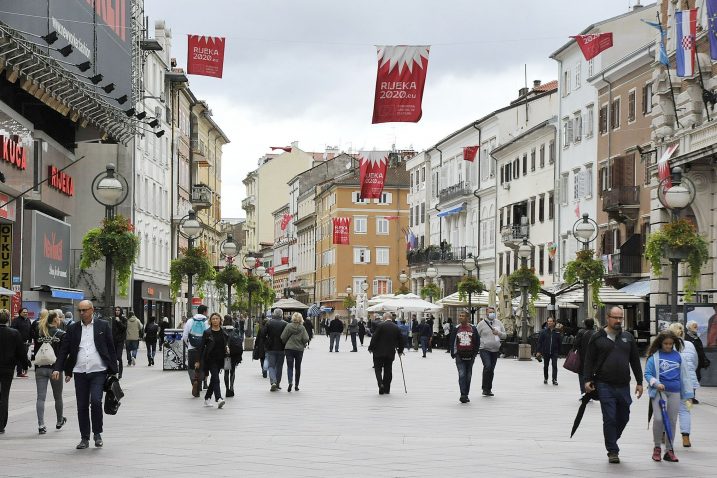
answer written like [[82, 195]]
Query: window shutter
[[501, 175], [367, 256], [570, 132], [581, 184], [389, 286], [375, 287]]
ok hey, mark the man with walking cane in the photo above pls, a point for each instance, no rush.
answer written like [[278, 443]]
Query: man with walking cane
[[385, 342]]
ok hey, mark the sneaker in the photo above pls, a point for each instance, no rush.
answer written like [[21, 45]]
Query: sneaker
[[488, 393], [670, 456], [555, 382], [613, 457], [220, 402], [98, 440], [83, 444], [60, 425], [208, 403], [42, 430], [274, 388], [463, 399], [686, 441], [657, 454], [263, 373], [134, 362]]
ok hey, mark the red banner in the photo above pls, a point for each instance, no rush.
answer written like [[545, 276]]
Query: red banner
[[284, 260], [205, 55], [399, 83], [270, 270], [591, 45], [372, 165], [469, 153], [285, 220], [341, 230]]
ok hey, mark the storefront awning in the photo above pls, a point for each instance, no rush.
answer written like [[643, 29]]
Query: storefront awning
[[639, 288], [72, 294], [453, 210]]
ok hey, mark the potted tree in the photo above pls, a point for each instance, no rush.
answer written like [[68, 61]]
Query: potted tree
[[586, 269]]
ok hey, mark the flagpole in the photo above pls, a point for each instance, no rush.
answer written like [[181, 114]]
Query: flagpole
[[702, 81], [669, 77]]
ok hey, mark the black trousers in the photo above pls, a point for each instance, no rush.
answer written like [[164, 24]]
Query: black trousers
[[88, 391], [119, 347], [6, 376], [554, 360], [383, 366]]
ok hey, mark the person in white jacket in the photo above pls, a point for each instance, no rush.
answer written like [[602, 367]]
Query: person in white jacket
[[491, 332], [691, 359]]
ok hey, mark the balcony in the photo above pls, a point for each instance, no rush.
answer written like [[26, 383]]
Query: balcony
[[620, 197], [202, 197], [199, 153], [512, 235], [459, 190], [436, 255], [248, 203], [620, 264]]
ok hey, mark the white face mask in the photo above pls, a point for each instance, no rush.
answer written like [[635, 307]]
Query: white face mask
[[491, 315]]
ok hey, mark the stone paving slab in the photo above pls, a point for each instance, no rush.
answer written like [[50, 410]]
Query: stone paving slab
[[338, 425]]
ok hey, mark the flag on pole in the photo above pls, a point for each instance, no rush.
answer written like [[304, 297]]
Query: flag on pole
[[400, 80], [712, 25], [661, 55], [469, 153], [663, 165], [593, 44], [372, 166], [686, 34]]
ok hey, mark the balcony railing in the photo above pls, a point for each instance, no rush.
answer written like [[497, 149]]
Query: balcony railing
[[459, 190], [512, 235], [618, 264], [202, 196], [621, 197], [247, 202], [435, 254], [199, 152]]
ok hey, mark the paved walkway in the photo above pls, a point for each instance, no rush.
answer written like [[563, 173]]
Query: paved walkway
[[338, 425]]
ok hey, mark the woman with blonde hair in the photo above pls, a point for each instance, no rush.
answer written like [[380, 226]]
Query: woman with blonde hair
[[295, 339], [48, 332], [690, 359]]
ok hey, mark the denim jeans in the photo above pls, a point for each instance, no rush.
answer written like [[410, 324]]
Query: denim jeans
[[554, 360], [293, 363], [42, 378], [132, 347], [151, 349], [88, 391], [465, 373], [424, 345], [615, 404], [276, 364], [353, 340], [489, 359], [334, 339]]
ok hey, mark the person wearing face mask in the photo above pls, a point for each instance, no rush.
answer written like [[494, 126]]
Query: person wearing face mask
[[611, 353], [491, 332]]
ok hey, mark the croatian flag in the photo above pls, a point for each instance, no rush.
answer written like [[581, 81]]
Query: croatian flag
[[686, 29]]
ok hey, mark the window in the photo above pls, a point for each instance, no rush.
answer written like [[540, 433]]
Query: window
[[603, 119], [541, 208], [362, 255], [551, 264], [647, 99], [423, 212], [525, 164], [507, 173], [532, 210], [532, 159], [588, 180], [386, 197], [589, 120], [507, 262], [564, 189], [615, 114], [578, 127], [500, 263], [604, 180], [381, 225], [551, 152], [566, 83], [356, 198], [501, 175], [591, 67], [578, 71], [516, 168], [382, 256], [500, 220], [360, 224], [327, 257], [631, 106], [551, 205], [542, 156], [423, 174], [576, 184], [566, 134], [382, 286], [356, 283], [410, 216]]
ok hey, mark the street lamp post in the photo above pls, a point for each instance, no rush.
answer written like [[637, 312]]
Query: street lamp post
[[585, 231], [230, 251], [469, 264], [249, 263], [524, 251], [261, 274], [364, 299], [190, 227], [675, 193], [110, 189], [431, 273]]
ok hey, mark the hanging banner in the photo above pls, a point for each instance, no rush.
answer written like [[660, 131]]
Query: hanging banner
[[591, 45], [341, 230], [284, 260], [686, 35], [469, 153], [399, 83], [712, 26], [663, 165], [285, 220], [372, 165], [205, 55]]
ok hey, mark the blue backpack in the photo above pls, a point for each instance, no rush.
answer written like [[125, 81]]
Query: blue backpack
[[196, 332]]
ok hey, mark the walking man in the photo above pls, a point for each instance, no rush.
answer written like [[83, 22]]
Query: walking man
[[134, 333], [425, 332], [549, 348], [192, 336], [22, 324], [491, 332], [466, 349], [353, 330], [385, 342], [87, 353], [274, 347], [336, 327], [611, 353], [12, 355]]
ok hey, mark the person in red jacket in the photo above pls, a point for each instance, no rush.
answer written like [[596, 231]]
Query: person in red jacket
[[464, 350]]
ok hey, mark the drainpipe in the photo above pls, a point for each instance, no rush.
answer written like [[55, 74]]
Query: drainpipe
[[440, 219], [475, 193], [609, 109], [557, 176]]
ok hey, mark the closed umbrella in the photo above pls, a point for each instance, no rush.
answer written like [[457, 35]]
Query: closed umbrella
[[666, 419]]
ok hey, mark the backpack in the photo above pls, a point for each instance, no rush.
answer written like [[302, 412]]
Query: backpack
[[196, 332], [236, 345], [466, 351], [45, 355]]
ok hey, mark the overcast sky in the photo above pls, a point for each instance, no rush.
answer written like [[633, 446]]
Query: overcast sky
[[305, 70]]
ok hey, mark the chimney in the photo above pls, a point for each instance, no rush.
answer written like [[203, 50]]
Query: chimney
[[294, 144], [522, 92], [536, 83], [637, 6]]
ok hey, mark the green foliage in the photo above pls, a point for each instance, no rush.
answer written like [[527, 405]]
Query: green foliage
[[403, 289], [349, 301], [117, 240], [194, 261], [587, 270], [521, 275], [681, 235], [231, 276], [469, 285], [431, 290], [267, 294]]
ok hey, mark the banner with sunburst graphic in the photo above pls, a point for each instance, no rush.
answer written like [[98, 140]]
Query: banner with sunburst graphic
[[399, 83], [341, 230], [372, 166], [205, 55]]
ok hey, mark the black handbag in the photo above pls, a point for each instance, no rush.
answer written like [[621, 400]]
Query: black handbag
[[113, 395]]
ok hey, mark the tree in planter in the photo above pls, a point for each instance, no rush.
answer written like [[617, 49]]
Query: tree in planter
[[680, 239], [584, 268], [431, 290], [194, 261], [254, 287], [117, 240]]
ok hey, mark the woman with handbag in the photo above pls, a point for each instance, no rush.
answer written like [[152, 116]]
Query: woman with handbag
[[214, 349], [47, 347], [295, 339]]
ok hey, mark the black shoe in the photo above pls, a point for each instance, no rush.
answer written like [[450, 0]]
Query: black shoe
[[296, 389], [545, 381], [230, 393], [98, 440], [42, 430], [381, 391], [263, 373], [613, 457], [463, 399], [487, 393], [83, 444], [695, 401], [555, 382], [289, 389]]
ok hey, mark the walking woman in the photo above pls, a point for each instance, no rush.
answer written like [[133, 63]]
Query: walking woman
[[668, 379], [295, 339], [361, 331], [581, 346], [215, 346], [119, 334], [690, 359], [259, 352], [151, 331], [48, 332]]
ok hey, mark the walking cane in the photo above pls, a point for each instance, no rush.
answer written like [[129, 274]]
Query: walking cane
[[402, 374]]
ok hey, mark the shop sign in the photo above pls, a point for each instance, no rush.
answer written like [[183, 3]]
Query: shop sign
[[7, 211], [13, 152], [60, 181], [6, 264], [51, 251]]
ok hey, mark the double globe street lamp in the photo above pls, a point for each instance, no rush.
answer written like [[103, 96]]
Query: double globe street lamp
[[431, 274], [585, 231], [470, 264], [229, 250], [190, 228]]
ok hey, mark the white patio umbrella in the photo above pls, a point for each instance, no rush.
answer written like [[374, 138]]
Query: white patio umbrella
[[477, 300], [405, 305]]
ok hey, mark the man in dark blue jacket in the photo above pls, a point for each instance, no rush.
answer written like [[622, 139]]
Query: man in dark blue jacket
[[549, 349], [88, 354]]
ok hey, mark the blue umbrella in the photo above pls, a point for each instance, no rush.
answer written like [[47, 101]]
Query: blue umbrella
[[665, 418], [314, 311]]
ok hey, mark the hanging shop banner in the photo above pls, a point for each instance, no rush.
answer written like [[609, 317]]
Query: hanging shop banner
[[284, 260], [469, 153], [593, 44], [372, 165], [6, 264], [399, 83], [205, 55], [285, 220], [341, 230]]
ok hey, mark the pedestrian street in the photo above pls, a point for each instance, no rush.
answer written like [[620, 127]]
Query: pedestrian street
[[338, 425]]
